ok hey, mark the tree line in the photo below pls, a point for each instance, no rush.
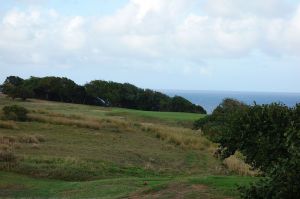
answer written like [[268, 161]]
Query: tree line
[[97, 92], [269, 138]]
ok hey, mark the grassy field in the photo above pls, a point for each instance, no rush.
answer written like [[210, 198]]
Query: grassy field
[[80, 151]]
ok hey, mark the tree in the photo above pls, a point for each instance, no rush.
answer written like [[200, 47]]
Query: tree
[[269, 137], [218, 124], [97, 92], [11, 86]]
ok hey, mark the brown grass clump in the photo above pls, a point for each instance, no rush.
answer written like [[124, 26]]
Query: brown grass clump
[[7, 156], [7, 142], [35, 146], [8, 125], [182, 137], [29, 139], [7, 139], [6, 151], [237, 165]]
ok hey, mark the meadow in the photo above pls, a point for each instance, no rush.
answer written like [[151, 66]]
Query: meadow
[[81, 151]]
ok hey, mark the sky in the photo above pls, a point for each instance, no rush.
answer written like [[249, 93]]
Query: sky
[[233, 45]]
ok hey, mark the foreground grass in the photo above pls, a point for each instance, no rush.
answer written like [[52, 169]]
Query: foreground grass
[[15, 185], [69, 150]]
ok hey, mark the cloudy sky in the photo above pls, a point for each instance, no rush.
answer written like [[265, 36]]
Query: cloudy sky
[[232, 45]]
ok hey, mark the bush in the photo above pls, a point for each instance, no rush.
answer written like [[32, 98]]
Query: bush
[[269, 137], [14, 112]]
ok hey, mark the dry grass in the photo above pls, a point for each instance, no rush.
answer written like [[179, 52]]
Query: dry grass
[[8, 124], [78, 121], [29, 139], [182, 137], [236, 164], [55, 114], [13, 142], [7, 139], [7, 156]]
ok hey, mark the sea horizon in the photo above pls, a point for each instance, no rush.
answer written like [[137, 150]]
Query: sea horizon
[[210, 99]]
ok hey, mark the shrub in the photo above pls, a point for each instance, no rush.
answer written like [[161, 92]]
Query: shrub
[[15, 112], [269, 137]]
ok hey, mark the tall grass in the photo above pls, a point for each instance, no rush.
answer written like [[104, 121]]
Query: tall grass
[[182, 137], [236, 164], [78, 121], [7, 155], [8, 124]]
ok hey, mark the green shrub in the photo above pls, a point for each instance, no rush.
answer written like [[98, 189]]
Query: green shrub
[[269, 138], [15, 112]]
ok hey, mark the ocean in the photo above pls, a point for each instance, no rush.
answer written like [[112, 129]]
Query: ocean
[[211, 99]]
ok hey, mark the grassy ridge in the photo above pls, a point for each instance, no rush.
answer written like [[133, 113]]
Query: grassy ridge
[[90, 151]]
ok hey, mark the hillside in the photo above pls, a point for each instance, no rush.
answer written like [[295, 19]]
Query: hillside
[[71, 150]]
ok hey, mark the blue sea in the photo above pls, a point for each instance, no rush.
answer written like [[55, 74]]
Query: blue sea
[[211, 99]]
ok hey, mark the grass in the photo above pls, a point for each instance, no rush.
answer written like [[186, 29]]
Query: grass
[[167, 117], [236, 164], [69, 150], [224, 184], [8, 125], [16, 185]]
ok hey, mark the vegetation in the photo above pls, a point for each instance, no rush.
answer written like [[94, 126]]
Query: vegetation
[[14, 112], [72, 150], [268, 136], [96, 92]]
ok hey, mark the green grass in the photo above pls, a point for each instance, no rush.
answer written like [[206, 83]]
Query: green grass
[[129, 148], [165, 116], [224, 184], [15, 185]]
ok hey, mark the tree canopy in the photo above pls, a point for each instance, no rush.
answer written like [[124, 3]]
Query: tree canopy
[[269, 137], [97, 92]]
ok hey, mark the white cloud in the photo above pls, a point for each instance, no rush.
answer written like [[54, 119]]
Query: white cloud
[[238, 8], [73, 34], [146, 30]]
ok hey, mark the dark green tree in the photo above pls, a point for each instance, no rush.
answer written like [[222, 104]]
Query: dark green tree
[[269, 137]]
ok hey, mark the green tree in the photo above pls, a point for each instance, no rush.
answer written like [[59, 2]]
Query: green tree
[[269, 137], [11, 86]]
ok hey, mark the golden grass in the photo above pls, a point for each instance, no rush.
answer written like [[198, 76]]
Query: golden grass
[[29, 139], [237, 165], [55, 114], [13, 141], [8, 124], [7, 140], [78, 121], [181, 137]]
